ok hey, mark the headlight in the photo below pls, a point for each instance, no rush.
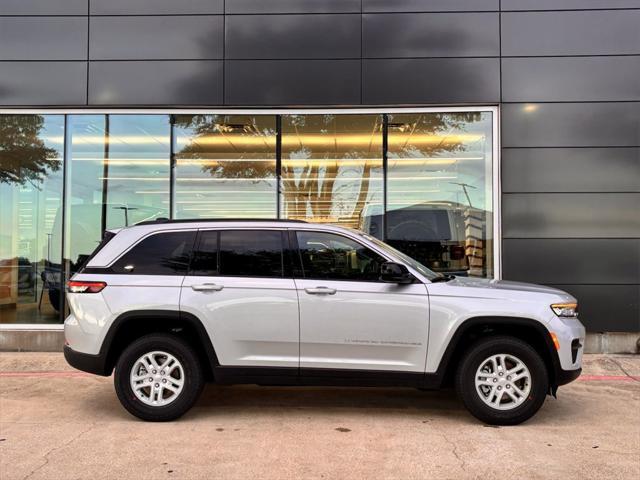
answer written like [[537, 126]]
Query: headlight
[[565, 309]]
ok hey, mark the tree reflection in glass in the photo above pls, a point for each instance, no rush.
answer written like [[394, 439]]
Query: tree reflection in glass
[[225, 166], [439, 184], [30, 197], [332, 168]]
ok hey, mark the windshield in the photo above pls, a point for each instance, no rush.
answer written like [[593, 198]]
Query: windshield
[[430, 274]]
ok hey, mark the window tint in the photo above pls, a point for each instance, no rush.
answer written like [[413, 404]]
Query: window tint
[[251, 253], [160, 254], [205, 259], [334, 257]]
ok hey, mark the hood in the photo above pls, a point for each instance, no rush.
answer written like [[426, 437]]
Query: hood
[[503, 285], [513, 291]]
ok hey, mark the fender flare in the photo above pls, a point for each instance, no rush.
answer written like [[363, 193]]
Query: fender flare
[[475, 322], [106, 350]]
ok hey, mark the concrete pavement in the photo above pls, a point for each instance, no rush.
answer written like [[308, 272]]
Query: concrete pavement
[[56, 423]]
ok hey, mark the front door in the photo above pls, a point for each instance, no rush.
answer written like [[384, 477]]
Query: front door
[[238, 287], [351, 320]]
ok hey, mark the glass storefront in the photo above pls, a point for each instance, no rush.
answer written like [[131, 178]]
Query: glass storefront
[[422, 181], [331, 168], [225, 166], [117, 175], [31, 186], [439, 184]]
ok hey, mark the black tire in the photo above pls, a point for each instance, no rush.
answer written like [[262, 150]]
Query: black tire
[[193, 377], [476, 355]]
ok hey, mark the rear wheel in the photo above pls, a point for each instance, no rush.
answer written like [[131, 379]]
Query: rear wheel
[[502, 381], [158, 378]]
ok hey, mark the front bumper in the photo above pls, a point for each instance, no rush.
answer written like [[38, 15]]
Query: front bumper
[[563, 377], [571, 336], [96, 364]]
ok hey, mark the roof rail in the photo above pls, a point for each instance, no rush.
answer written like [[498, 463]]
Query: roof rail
[[161, 220]]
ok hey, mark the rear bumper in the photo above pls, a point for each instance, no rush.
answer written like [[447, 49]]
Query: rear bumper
[[96, 364]]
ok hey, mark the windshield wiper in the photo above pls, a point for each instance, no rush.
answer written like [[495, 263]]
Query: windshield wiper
[[443, 278]]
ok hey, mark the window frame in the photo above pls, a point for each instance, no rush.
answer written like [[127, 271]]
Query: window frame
[[196, 250]]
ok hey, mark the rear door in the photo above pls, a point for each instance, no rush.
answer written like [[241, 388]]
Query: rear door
[[349, 319], [240, 286]]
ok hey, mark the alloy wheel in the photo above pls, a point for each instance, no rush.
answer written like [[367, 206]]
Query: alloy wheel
[[157, 378], [503, 381]]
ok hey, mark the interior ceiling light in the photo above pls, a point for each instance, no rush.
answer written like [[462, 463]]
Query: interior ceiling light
[[288, 139], [233, 127], [401, 127]]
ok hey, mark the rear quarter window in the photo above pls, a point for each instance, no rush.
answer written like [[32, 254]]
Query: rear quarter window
[[166, 253]]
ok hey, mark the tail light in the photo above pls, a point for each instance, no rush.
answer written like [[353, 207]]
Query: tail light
[[74, 286]]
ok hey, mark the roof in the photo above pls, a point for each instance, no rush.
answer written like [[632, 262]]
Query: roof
[[163, 220]]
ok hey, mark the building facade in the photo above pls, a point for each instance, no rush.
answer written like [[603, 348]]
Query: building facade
[[489, 138]]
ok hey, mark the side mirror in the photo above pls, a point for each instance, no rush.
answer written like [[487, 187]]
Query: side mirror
[[395, 273]]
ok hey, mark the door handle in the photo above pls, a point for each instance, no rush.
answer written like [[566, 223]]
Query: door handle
[[321, 291], [207, 287]]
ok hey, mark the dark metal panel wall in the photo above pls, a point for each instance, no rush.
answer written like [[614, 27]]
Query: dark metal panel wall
[[430, 5], [397, 56], [589, 261], [43, 7], [152, 82], [571, 156], [155, 7], [401, 35], [431, 81], [571, 124], [294, 82], [603, 32], [156, 38], [43, 38], [43, 83], [567, 4], [574, 79], [292, 6], [292, 36], [602, 169], [571, 215]]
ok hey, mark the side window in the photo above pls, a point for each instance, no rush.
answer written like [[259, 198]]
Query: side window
[[327, 256], [205, 258], [251, 253], [159, 254]]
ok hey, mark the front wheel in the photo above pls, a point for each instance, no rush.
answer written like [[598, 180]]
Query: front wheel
[[502, 381], [158, 378]]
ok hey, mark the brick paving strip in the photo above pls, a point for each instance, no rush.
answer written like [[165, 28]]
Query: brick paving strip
[[582, 378]]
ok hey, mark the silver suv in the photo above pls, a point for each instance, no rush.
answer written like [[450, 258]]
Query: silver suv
[[172, 304]]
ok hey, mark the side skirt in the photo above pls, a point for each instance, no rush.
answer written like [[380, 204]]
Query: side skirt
[[285, 376]]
